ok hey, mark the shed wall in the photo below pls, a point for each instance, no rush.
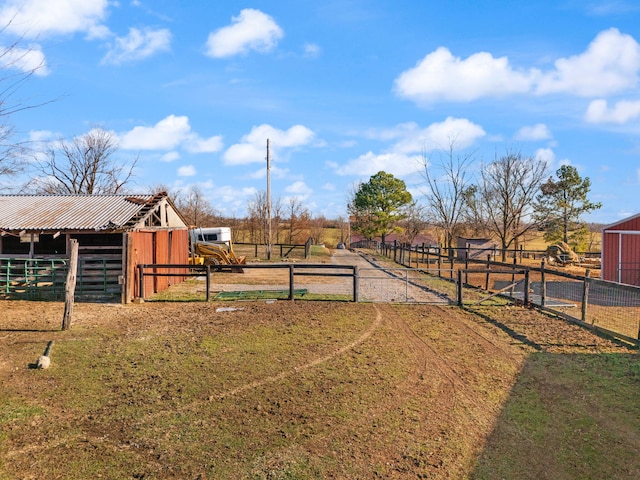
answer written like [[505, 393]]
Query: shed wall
[[621, 252], [158, 247]]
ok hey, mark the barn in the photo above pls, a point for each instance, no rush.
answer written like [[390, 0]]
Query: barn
[[114, 233], [621, 251]]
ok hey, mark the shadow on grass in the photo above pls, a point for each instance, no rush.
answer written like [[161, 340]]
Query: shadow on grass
[[571, 416]]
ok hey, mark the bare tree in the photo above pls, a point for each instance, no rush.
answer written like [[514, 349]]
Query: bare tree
[[299, 218], [85, 165], [447, 180], [196, 209], [414, 222], [317, 229], [17, 66], [257, 219], [508, 189]]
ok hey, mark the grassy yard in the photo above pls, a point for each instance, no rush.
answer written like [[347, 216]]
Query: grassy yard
[[312, 390]]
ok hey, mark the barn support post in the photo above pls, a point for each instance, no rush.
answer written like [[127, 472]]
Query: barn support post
[[70, 286], [129, 268]]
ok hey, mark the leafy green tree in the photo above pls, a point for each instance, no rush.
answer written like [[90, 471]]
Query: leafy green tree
[[560, 205], [378, 205]]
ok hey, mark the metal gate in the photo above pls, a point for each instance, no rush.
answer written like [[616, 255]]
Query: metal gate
[[408, 285]]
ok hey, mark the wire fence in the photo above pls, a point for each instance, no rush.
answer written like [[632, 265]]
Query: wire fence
[[608, 306]]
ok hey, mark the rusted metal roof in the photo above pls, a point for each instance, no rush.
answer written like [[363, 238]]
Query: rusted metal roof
[[70, 212]]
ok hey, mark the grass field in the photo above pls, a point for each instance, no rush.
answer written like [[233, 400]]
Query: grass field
[[313, 390]]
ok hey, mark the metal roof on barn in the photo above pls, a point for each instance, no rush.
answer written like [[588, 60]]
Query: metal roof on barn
[[71, 212]]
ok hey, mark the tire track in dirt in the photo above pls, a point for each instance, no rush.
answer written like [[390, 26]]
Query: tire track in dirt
[[275, 378]]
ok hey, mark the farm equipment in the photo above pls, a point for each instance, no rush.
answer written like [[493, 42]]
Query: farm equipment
[[213, 246], [560, 253]]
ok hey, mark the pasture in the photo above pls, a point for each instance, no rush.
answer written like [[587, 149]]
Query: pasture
[[313, 390]]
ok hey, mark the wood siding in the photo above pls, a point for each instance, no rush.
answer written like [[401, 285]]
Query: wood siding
[[158, 247], [621, 251]]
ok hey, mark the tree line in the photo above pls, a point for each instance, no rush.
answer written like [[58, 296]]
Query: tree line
[[503, 200]]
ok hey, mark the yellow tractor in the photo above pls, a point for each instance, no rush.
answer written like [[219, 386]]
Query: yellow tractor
[[213, 246]]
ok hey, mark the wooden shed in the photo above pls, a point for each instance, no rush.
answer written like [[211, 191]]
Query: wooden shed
[[476, 248], [621, 251], [114, 233]]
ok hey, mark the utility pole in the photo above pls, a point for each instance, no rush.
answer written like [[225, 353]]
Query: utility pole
[[268, 203]]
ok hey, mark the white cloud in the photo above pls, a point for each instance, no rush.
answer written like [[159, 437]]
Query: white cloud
[[137, 45], [41, 135], [168, 134], [298, 188], [538, 131], [460, 132], [369, 164], [330, 187], [251, 30], [622, 112], [187, 171], [546, 155], [24, 59], [253, 146], [441, 76], [170, 156], [311, 50], [41, 18], [610, 64]]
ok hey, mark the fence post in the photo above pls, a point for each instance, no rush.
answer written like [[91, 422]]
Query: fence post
[[208, 281], [356, 284], [141, 281], [459, 288], [395, 247], [486, 282], [585, 296], [451, 262], [406, 285], [291, 286], [70, 285], [466, 267], [423, 254], [543, 293], [409, 256], [526, 287], [439, 262]]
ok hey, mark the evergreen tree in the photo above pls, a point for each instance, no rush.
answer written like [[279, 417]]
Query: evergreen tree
[[377, 205], [561, 204]]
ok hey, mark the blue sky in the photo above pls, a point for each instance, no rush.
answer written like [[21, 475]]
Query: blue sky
[[343, 89]]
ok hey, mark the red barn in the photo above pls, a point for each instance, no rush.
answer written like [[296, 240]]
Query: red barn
[[621, 251]]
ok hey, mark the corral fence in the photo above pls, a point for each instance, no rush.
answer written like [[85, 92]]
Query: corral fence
[[608, 306], [405, 254], [45, 278], [283, 250], [344, 279]]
